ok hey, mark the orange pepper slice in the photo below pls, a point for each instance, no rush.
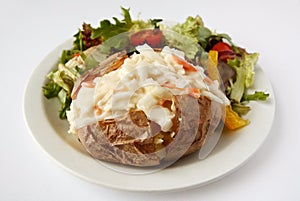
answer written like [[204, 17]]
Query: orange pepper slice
[[233, 121]]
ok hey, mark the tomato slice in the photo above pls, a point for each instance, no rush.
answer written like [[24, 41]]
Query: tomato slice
[[137, 39], [151, 37], [225, 51], [221, 46]]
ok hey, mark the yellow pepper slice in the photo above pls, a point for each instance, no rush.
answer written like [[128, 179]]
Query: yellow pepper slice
[[212, 68]]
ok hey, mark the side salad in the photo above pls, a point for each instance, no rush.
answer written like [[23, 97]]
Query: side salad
[[215, 51]]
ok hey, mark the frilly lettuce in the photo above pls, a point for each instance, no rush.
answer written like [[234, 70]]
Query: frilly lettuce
[[190, 27], [183, 43], [184, 36], [244, 68], [60, 85], [107, 29], [138, 25]]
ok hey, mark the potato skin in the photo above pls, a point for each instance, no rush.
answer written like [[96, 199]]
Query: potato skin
[[119, 141], [123, 141]]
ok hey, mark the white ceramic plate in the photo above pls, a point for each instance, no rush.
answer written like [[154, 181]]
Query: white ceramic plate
[[232, 151]]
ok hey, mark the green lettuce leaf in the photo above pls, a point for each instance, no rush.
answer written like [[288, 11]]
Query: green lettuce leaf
[[257, 95], [249, 62], [240, 108], [140, 24], [184, 43], [60, 84], [108, 29], [190, 27], [244, 68], [238, 87], [51, 89], [203, 35], [66, 55], [65, 100]]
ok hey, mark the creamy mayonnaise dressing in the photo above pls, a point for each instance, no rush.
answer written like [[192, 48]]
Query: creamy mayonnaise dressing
[[144, 82]]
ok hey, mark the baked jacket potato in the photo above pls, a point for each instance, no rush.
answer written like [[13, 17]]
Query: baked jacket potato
[[134, 137]]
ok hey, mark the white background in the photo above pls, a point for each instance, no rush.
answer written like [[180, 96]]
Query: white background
[[29, 30]]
